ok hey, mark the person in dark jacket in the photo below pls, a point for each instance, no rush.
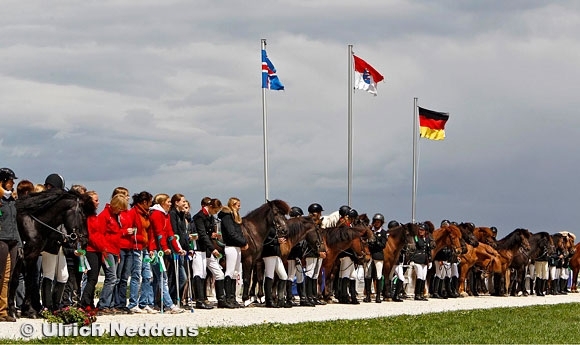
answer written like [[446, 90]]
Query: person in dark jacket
[[206, 230], [398, 270], [273, 263], [10, 243], [179, 225], [313, 256], [235, 242], [422, 260], [376, 248]]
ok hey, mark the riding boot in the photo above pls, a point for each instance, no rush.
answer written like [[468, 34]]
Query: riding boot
[[307, 292], [314, 287], [532, 286], [436, 283], [555, 287], [454, 287], [397, 291], [281, 292], [343, 294], [368, 282], [268, 282], [352, 290], [233, 300], [448, 293], [289, 295], [199, 288], [563, 286], [379, 289], [57, 293], [472, 283], [301, 287], [46, 288], [220, 287]]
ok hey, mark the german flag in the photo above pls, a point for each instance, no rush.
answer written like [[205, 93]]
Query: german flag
[[432, 124]]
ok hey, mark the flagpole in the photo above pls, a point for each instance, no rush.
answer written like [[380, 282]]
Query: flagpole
[[265, 134], [350, 91], [414, 194]]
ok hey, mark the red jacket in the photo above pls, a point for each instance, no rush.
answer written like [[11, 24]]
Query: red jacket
[[161, 232], [131, 219], [112, 233], [96, 243]]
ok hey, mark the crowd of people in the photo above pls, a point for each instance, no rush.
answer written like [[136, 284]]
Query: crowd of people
[[157, 255]]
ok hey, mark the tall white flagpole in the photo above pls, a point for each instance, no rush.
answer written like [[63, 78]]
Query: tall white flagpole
[[415, 103], [350, 91], [265, 134]]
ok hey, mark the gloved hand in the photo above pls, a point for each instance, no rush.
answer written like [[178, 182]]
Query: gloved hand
[[19, 253], [429, 265], [412, 263]]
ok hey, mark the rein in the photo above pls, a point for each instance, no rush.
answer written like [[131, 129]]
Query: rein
[[72, 237]]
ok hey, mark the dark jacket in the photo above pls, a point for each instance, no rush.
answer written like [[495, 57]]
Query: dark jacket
[[271, 244], [232, 234], [204, 223], [422, 254], [179, 226], [8, 226], [312, 250], [445, 254], [376, 248]]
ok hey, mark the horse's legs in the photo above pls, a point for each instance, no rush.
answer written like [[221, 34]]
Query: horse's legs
[[575, 279], [259, 268], [247, 275]]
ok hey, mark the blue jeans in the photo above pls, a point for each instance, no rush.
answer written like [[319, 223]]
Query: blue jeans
[[107, 299], [123, 271], [161, 279], [182, 277], [146, 296]]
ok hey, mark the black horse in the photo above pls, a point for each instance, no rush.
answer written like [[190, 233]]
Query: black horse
[[540, 244], [39, 216], [256, 225]]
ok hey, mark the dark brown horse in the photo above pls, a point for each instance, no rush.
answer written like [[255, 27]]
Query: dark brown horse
[[540, 244], [575, 266], [256, 225], [299, 228], [508, 247], [340, 239]]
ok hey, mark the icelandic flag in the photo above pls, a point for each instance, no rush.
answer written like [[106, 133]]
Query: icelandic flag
[[269, 78], [366, 77]]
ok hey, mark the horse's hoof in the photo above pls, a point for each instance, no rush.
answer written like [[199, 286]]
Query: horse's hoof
[[463, 294]]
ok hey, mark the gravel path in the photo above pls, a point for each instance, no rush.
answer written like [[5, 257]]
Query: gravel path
[[258, 315]]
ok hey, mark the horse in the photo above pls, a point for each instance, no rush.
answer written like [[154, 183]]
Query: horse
[[255, 226], [540, 243], [485, 235], [399, 240], [575, 266], [508, 247], [299, 228], [483, 256], [448, 236], [339, 239], [39, 216]]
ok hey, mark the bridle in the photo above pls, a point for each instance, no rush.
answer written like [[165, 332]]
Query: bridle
[[73, 236]]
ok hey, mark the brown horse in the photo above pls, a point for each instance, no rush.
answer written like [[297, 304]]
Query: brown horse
[[338, 240], [575, 266], [485, 235], [483, 256], [508, 247], [540, 244], [299, 228], [448, 236], [256, 225]]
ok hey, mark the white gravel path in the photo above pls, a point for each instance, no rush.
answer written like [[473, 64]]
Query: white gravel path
[[258, 315]]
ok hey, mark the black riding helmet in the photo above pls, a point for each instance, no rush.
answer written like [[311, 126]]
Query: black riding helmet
[[393, 224], [379, 217], [352, 213], [296, 212], [445, 222], [315, 208], [7, 174], [55, 180], [343, 210]]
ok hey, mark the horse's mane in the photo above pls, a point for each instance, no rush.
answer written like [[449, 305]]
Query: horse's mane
[[512, 239], [263, 210], [297, 225], [37, 202], [340, 234]]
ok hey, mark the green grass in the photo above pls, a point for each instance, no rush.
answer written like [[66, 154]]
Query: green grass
[[546, 324]]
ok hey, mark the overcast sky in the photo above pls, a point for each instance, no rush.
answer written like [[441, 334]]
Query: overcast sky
[[165, 96]]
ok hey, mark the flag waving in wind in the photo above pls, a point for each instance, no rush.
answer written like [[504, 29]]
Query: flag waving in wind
[[366, 77], [269, 78], [432, 124]]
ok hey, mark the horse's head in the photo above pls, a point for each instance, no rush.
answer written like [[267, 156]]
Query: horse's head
[[544, 245], [277, 217], [362, 220], [569, 239], [467, 234], [485, 235], [75, 219], [361, 250], [524, 236], [452, 238]]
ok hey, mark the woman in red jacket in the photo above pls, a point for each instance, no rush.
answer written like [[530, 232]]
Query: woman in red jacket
[[95, 247], [161, 237]]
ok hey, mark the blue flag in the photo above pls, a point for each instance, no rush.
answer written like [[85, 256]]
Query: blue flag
[[269, 78]]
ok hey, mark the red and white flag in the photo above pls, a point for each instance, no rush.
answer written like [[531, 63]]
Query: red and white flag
[[366, 77]]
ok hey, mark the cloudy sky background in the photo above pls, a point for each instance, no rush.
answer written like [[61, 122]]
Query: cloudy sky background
[[165, 96]]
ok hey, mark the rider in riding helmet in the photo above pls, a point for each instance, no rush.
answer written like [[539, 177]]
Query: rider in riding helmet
[[347, 265], [445, 223], [296, 212], [421, 259], [352, 215], [10, 243], [295, 269], [398, 270], [376, 248], [314, 258], [54, 181], [343, 215]]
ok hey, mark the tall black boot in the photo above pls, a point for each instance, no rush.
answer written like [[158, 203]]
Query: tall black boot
[[307, 292], [220, 287], [454, 286], [289, 295], [540, 287], [199, 287], [532, 286], [282, 294], [57, 293], [563, 286], [232, 301], [314, 287], [397, 291], [46, 288], [447, 282], [379, 289], [343, 295], [352, 288], [268, 282], [368, 282], [421, 291], [436, 283], [301, 287]]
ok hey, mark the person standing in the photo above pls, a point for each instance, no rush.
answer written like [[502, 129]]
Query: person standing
[[421, 259], [96, 246], [377, 257], [273, 264], [176, 266], [235, 242], [314, 257], [398, 270], [10, 243], [199, 244]]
